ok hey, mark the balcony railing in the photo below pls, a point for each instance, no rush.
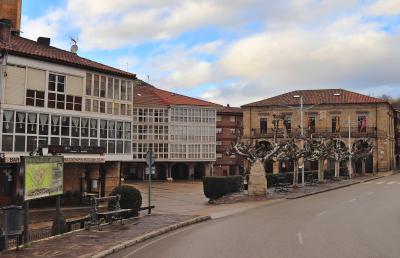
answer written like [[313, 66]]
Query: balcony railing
[[369, 132]]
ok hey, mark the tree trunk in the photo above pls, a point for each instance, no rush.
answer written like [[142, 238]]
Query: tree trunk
[[321, 170], [337, 168], [296, 173], [363, 166]]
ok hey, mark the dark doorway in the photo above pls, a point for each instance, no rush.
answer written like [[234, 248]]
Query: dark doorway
[[161, 172], [269, 166], [180, 171], [199, 171], [286, 166]]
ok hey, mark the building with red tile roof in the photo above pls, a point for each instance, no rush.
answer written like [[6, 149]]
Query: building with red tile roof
[[326, 113], [179, 129]]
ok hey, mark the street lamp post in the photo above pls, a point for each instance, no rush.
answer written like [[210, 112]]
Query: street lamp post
[[302, 133]]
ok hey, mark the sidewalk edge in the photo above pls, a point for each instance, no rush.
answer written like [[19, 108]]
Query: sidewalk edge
[[149, 235]]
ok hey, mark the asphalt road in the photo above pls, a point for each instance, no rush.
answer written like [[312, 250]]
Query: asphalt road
[[358, 221]]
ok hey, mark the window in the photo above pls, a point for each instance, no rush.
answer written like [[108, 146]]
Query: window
[[218, 143], [75, 129], [93, 130], [20, 122], [65, 125], [88, 105], [55, 125], [232, 118], [219, 118], [34, 98], [311, 124], [103, 87], [102, 107], [116, 89], [109, 108], [123, 109], [56, 96], [116, 108], [95, 105], [85, 127], [88, 84], [219, 155], [232, 131], [263, 125], [43, 124], [96, 82], [8, 121], [335, 124], [219, 130], [32, 123], [129, 91], [287, 122], [123, 90], [110, 89], [362, 123]]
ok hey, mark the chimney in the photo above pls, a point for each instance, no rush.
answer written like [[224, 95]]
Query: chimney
[[44, 41], [228, 105], [5, 30], [11, 10]]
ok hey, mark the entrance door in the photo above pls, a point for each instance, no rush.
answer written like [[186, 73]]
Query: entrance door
[[7, 186]]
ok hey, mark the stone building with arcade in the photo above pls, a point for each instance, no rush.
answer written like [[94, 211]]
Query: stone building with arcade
[[326, 113], [72, 106], [179, 129]]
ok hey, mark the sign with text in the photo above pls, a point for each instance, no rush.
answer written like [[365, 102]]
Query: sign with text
[[43, 176]]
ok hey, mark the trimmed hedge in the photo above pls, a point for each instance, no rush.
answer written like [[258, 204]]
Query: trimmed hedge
[[217, 186], [131, 198]]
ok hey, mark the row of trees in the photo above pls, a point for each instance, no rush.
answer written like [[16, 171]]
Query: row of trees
[[314, 150]]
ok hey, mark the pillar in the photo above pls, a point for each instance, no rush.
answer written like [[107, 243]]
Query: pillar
[[169, 173], [296, 173], [112, 176], [337, 168], [191, 171], [207, 168], [321, 170], [363, 167]]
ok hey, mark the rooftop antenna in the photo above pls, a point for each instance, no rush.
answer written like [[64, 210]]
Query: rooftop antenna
[[74, 47]]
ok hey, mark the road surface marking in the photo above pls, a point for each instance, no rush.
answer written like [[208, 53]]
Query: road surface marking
[[379, 183], [300, 238], [321, 213], [352, 200], [155, 241], [392, 182]]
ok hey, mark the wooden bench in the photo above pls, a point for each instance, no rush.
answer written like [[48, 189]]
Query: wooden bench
[[108, 216]]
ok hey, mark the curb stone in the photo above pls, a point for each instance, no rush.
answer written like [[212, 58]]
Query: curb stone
[[337, 187], [149, 235]]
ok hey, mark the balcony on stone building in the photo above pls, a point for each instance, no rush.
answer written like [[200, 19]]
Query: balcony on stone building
[[343, 132]]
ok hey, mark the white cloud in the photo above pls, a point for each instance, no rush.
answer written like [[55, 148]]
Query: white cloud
[[384, 8]]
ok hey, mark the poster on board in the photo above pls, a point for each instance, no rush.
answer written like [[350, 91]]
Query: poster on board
[[43, 176]]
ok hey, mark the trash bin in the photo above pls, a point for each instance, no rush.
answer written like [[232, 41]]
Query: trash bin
[[11, 224]]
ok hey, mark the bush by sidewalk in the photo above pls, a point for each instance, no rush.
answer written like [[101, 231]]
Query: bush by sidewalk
[[131, 198], [216, 187]]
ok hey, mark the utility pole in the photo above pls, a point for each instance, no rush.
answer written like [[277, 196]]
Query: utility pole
[[302, 137], [350, 156]]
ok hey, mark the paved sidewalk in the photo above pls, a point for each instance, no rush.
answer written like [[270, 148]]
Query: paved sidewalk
[[86, 243]]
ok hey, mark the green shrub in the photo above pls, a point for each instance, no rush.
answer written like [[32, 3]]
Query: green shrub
[[215, 186], [131, 198], [234, 183]]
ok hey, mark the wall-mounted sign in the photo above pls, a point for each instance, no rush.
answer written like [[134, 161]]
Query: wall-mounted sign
[[56, 149], [43, 176]]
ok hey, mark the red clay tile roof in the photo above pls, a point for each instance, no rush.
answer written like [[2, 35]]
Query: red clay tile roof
[[313, 97], [230, 110], [32, 49], [147, 95]]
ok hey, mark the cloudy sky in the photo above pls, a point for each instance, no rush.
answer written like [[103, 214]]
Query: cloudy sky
[[233, 51]]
